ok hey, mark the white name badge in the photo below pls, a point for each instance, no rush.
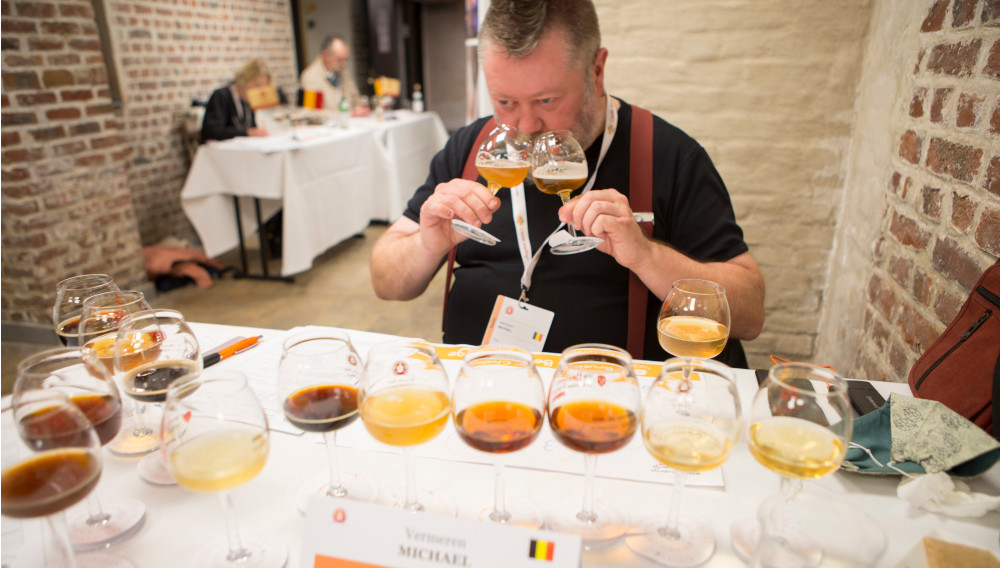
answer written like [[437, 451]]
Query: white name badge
[[515, 324], [348, 534]]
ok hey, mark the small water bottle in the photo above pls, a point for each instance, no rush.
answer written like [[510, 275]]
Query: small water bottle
[[418, 98], [344, 109]]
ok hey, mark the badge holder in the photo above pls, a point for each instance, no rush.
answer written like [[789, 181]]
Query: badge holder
[[474, 233]]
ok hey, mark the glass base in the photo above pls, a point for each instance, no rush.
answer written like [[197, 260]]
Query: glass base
[[153, 470], [474, 233], [102, 560], [794, 549], [608, 526], [428, 501], [694, 545], [129, 443], [564, 243], [262, 551], [358, 488], [522, 513], [124, 519]]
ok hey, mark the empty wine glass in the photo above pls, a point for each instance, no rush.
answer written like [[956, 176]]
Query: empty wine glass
[[87, 384], [318, 378], [799, 426], [405, 403], [593, 406], [70, 294], [559, 166], [215, 438], [53, 463], [498, 405], [153, 350], [102, 314], [503, 161], [690, 422]]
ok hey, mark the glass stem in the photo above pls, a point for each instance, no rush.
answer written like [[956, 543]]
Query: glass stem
[[564, 196], [96, 516], [790, 487], [493, 186], [670, 530], [60, 543], [587, 513], [411, 503], [500, 513], [236, 551], [139, 427], [336, 488]]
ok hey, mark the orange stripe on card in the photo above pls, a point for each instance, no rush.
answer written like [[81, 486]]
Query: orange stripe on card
[[331, 562]]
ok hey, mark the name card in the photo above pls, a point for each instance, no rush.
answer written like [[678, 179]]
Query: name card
[[347, 534]]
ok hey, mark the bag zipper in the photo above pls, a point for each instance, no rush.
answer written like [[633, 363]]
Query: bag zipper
[[990, 297]]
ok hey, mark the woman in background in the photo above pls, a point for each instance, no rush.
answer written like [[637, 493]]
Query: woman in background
[[228, 113]]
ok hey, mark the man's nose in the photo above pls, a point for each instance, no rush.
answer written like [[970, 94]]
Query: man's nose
[[529, 123]]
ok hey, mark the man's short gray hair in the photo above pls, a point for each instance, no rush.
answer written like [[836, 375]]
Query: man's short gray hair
[[517, 26]]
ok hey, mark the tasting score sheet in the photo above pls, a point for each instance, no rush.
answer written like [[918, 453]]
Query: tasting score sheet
[[260, 365]]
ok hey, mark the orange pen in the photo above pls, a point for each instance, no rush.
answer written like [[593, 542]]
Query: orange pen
[[227, 352]]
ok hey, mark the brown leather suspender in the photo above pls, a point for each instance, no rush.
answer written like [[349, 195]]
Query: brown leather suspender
[[640, 199], [470, 173]]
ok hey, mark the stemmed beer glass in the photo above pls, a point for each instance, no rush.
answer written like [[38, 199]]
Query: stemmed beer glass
[[800, 425], [70, 295], [498, 405], [691, 425], [405, 403], [593, 405], [215, 438], [318, 378], [694, 319], [559, 166], [53, 463], [88, 385], [102, 314], [503, 161], [153, 350]]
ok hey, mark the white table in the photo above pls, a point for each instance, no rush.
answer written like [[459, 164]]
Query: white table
[[330, 181], [179, 522]]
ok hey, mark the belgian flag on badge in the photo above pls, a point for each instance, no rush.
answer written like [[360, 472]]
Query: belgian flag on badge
[[542, 550]]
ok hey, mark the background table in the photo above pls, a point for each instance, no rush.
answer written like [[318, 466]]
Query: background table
[[179, 522], [330, 181]]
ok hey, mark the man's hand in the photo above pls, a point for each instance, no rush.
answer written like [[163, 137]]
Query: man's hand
[[606, 214], [457, 199], [257, 132]]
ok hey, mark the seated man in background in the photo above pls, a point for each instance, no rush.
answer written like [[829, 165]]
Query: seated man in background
[[228, 113], [328, 74], [544, 68]]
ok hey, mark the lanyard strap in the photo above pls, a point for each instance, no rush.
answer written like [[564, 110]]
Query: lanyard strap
[[520, 210]]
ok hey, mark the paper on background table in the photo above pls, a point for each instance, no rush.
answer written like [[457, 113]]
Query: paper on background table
[[631, 463]]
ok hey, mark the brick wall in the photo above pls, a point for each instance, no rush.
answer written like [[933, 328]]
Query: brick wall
[[940, 224], [85, 185], [67, 208], [169, 53]]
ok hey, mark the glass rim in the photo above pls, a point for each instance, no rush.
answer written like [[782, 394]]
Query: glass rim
[[102, 278], [690, 285], [487, 350], [308, 336], [582, 348], [136, 294], [699, 363], [807, 371]]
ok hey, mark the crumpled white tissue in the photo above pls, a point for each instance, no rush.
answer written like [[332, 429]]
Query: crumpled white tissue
[[939, 493]]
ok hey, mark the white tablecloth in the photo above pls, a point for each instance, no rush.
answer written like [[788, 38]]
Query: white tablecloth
[[179, 522], [330, 181]]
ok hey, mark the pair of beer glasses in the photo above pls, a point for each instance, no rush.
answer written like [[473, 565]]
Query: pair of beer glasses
[[556, 162]]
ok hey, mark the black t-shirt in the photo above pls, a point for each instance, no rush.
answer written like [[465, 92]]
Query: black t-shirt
[[587, 291]]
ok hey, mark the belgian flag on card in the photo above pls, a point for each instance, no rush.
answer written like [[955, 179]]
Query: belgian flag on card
[[542, 550], [310, 99]]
